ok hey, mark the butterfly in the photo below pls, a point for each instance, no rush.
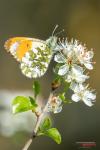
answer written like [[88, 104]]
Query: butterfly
[[34, 55]]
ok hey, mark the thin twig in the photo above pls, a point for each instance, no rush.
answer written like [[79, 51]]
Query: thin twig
[[28, 143]]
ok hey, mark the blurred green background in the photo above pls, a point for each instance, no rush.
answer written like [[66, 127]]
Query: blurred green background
[[37, 18]]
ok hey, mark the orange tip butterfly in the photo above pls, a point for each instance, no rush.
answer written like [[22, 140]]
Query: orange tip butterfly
[[34, 55]]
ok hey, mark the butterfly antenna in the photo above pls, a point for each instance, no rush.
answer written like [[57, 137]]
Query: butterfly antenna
[[54, 29], [60, 32]]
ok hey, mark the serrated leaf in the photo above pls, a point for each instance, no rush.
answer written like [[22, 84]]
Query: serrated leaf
[[22, 104], [46, 124], [54, 134], [36, 88]]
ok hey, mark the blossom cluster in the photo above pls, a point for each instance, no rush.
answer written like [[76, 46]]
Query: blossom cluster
[[72, 60]]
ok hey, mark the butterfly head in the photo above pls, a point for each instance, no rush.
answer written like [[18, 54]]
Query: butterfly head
[[52, 40]]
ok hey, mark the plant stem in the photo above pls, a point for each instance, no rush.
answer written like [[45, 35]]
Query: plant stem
[[28, 143]]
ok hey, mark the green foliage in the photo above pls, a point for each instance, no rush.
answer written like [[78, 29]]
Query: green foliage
[[33, 101], [46, 124], [63, 98], [22, 104], [54, 134], [45, 129], [36, 88], [62, 95]]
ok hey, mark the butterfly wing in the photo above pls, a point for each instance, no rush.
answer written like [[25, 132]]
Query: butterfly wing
[[33, 54], [18, 46]]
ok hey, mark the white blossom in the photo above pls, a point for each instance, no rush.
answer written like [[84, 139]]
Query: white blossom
[[76, 74], [71, 56], [82, 92], [85, 57], [55, 105]]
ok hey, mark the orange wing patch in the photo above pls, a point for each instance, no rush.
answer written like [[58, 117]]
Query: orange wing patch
[[18, 46], [23, 48]]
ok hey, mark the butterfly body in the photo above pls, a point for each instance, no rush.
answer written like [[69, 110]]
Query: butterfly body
[[33, 54]]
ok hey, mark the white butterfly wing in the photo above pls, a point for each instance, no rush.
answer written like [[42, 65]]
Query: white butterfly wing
[[35, 62]]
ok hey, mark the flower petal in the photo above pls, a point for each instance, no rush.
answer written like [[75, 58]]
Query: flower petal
[[63, 70], [75, 98], [88, 102], [89, 95], [81, 78], [68, 77], [58, 110], [74, 86], [77, 69], [59, 58], [90, 54], [88, 66]]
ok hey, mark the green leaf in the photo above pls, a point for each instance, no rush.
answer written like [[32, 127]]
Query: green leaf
[[33, 101], [54, 134], [62, 97], [22, 104], [46, 124], [36, 88]]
